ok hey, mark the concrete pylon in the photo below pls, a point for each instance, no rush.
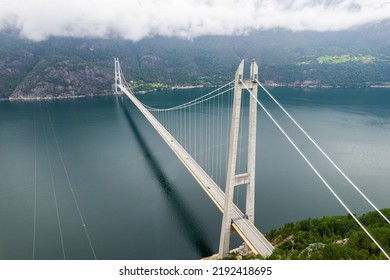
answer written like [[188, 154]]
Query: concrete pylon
[[248, 178], [118, 74]]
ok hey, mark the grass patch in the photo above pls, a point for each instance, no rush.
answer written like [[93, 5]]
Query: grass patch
[[333, 59], [336, 59]]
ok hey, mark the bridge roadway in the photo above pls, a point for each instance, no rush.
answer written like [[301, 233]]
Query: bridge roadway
[[245, 228]]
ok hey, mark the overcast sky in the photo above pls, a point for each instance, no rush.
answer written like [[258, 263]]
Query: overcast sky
[[137, 19]]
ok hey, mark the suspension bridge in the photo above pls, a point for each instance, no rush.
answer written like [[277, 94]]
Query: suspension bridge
[[219, 150]]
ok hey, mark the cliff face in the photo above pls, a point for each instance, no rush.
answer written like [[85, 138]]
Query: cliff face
[[63, 77], [58, 67], [14, 66]]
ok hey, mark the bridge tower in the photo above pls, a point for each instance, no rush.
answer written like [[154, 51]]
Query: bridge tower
[[118, 74], [244, 179]]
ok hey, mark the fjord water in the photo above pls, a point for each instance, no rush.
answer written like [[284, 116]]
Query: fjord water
[[90, 177]]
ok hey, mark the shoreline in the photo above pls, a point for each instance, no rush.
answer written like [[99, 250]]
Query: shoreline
[[187, 87], [54, 97], [267, 84], [313, 85]]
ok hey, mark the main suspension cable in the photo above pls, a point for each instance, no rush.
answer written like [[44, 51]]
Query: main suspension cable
[[192, 102], [316, 172]]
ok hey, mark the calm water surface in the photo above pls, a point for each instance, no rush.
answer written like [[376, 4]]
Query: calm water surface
[[90, 177]]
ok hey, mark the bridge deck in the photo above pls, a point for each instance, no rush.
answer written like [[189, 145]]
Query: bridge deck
[[246, 229]]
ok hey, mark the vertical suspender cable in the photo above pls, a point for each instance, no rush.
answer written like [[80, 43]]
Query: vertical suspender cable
[[35, 184]]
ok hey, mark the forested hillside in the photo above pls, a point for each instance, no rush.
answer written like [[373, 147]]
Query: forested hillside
[[330, 238], [73, 67]]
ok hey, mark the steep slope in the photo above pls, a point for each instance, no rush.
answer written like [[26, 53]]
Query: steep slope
[[76, 66]]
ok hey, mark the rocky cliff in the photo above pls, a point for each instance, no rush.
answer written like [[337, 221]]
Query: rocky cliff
[[63, 77]]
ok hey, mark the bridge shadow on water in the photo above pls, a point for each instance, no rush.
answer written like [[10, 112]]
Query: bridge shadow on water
[[183, 215]]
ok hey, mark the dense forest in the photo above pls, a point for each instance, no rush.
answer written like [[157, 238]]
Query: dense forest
[[74, 66], [330, 238]]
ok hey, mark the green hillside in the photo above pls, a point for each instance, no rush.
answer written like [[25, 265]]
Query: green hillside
[[76, 66], [330, 238]]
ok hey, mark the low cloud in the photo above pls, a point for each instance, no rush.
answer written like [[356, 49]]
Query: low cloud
[[137, 19]]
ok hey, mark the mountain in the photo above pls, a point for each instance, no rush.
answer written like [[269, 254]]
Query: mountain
[[78, 67]]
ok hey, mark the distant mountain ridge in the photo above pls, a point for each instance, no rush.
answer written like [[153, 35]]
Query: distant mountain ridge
[[63, 67]]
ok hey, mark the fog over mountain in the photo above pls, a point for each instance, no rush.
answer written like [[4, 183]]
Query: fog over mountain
[[51, 48], [138, 19]]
